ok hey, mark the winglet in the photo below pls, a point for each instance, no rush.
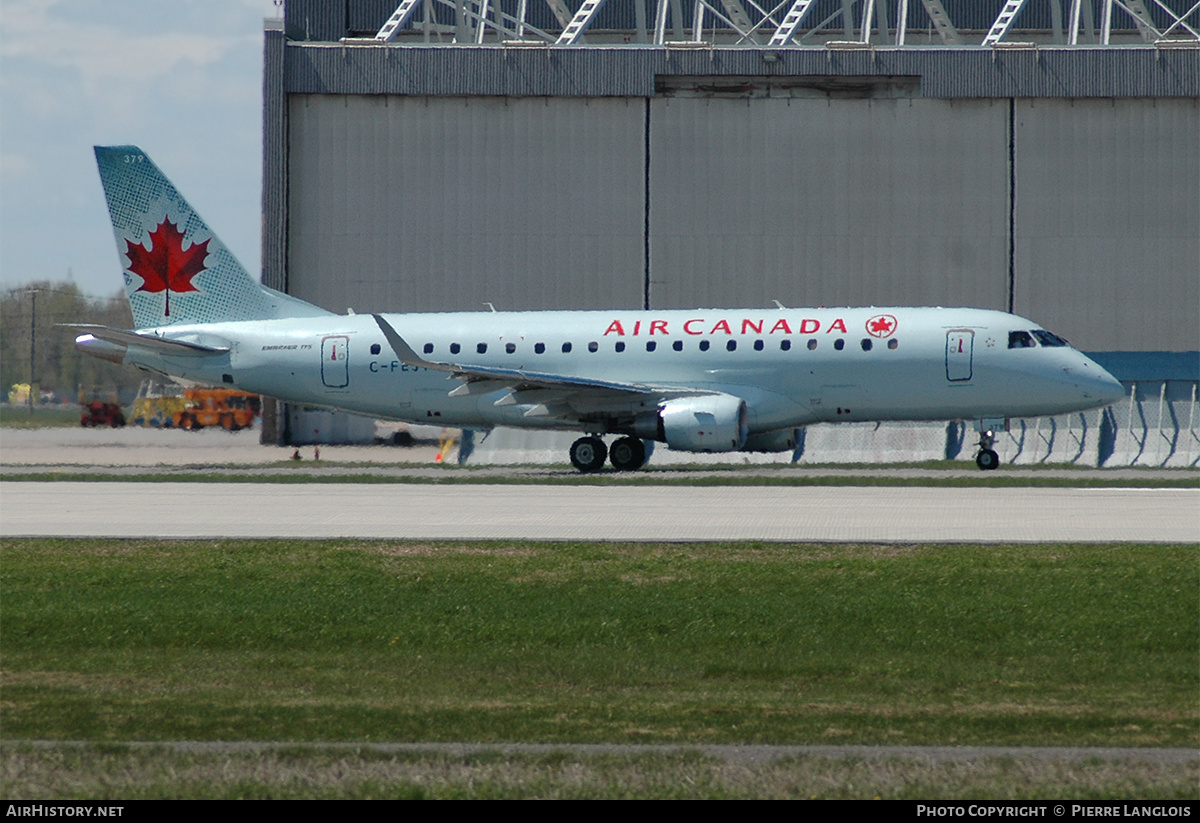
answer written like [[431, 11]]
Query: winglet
[[403, 350]]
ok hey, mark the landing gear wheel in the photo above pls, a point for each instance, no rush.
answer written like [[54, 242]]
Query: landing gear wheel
[[588, 454], [987, 460], [627, 454]]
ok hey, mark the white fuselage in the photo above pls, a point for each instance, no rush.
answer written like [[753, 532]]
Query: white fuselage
[[792, 367]]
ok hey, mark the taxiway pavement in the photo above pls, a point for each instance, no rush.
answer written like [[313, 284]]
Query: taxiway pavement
[[892, 514]]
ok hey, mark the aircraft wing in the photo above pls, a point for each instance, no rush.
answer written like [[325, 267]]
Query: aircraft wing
[[554, 394]]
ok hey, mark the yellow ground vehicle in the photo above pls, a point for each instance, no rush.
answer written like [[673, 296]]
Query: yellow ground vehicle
[[230, 409], [157, 404]]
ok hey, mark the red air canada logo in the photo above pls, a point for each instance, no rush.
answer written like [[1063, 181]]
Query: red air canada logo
[[881, 325], [166, 266]]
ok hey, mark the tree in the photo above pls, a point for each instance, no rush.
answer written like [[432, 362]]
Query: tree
[[29, 325]]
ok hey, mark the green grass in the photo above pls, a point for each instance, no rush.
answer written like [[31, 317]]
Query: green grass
[[42, 417], [133, 773], [706, 643]]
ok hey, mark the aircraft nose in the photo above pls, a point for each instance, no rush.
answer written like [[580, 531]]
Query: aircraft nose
[[1098, 384], [1111, 389]]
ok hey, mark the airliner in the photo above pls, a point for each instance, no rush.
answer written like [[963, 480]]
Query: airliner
[[701, 380]]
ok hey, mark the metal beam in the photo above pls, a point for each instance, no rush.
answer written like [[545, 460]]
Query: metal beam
[[698, 22], [881, 23], [1141, 18], [1081, 15], [560, 10], [739, 19], [1004, 22], [399, 17], [1179, 19], [1056, 22], [791, 21], [580, 22], [941, 22]]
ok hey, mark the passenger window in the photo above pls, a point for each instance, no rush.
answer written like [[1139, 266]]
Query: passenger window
[[566, 348], [785, 345], [481, 348], [839, 344], [593, 347], [375, 349], [677, 345], [510, 347], [731, 345], [866, 344], [892, 344], [1019, 340], [455, 348], [812, 344], [703, 345], [539, 348], [429, 348], [651, 345], [620, 345], [758, 345]]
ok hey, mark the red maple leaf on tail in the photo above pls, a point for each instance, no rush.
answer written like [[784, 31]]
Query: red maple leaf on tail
[[166, 266]]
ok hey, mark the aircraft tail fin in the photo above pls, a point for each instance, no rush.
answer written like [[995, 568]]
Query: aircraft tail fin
[[176, 269]]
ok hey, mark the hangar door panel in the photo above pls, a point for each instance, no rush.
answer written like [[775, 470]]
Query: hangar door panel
[[1108, 221], [419, 204], [828, 202]]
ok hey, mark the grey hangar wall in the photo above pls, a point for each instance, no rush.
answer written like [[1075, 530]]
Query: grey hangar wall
[[1061, 182], [394, 181]]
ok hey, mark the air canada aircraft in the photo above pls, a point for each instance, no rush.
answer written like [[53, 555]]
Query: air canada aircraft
[[702, 380]]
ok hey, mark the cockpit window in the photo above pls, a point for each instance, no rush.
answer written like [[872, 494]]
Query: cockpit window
[[1048, 339], [1020, 340]]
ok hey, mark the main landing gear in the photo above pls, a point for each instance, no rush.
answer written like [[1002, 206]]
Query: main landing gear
[[987, 459], [589, 453]]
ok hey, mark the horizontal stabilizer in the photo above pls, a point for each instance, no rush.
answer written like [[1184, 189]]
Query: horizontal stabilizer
[[160, 344]]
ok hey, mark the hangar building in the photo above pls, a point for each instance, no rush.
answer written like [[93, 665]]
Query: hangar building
[[1037, 156]]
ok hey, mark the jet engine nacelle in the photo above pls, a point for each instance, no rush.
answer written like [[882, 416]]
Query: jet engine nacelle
[[712, 423]]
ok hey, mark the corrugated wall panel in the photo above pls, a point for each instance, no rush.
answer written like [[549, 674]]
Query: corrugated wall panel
[[316, 20], [1108, 221], [602, 72], [366, 17], [810, 202], [412, 204], [274, 206]]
